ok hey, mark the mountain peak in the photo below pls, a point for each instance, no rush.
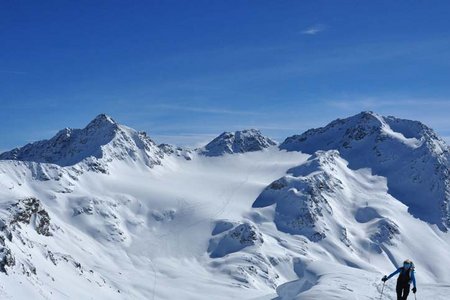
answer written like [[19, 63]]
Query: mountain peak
[[102, 139], [393, 148], [102, 121], [368, 117], [368, 113], [247, 140]]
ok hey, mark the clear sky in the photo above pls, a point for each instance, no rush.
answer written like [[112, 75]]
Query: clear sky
[[184, 71]]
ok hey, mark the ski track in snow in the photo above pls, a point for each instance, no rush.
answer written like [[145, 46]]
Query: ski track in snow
[[206, 219]]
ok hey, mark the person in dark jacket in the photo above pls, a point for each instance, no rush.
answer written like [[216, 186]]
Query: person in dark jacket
[[407, 275]]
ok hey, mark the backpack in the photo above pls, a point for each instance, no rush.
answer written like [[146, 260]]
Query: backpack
[[406, 277]]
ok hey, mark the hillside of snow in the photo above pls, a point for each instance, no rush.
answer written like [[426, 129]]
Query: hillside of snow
[[104, 213]]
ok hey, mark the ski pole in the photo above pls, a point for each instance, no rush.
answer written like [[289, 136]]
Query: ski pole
[[381, 296]]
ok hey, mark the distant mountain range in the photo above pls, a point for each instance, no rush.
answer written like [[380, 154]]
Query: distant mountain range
[[104, 212]]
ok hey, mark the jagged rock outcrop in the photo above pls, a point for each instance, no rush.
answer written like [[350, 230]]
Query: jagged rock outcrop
[[229, 238], [177, 151], [28, 211], [385, 232], [6, 258]]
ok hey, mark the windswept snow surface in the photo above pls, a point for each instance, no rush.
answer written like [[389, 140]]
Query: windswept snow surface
[[147, 222]]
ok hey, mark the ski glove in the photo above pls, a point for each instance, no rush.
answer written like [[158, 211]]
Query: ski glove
[[414, 290], [384, 278]]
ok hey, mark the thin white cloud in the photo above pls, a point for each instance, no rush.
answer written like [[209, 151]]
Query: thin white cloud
[[323, 61], [190, 140], [212, 110], [313, 30], [283, 125], [387, 101]]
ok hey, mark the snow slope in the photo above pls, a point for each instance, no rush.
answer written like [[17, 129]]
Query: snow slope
[[255, 223]]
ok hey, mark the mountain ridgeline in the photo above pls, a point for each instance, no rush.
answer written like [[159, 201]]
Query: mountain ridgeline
[[409, 154]]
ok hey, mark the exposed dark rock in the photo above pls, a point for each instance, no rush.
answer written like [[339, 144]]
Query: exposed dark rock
[[6, 259], [234, 239], [178, 151], [385, 233], [28, 211]]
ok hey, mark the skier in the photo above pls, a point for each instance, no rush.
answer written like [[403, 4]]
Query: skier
[[404, 279]]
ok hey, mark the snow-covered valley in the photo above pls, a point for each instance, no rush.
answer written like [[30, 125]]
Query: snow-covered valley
[[104, 213]]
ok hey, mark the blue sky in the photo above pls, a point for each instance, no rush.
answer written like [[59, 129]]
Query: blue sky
[[184, 71]]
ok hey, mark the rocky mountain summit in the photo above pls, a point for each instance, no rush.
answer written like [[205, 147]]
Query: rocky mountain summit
[[101, 141], [248, 140]]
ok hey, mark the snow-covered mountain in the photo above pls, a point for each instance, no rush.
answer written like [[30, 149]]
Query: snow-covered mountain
[[101, 141], [237, 142], [104, 213], [409, 154]]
